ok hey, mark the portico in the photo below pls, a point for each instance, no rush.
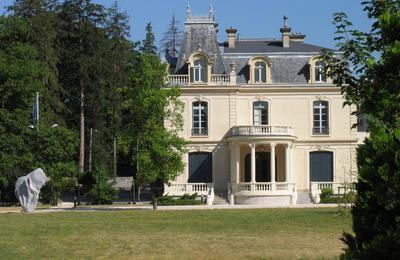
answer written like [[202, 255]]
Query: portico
[[261, 165]]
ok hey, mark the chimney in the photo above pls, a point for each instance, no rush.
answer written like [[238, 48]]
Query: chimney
[[231, 37], [297, 37], [285, 30]]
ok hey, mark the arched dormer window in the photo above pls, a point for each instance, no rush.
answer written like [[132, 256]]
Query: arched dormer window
[[260, 70], [199, 71], [199, 67], [318, 71]]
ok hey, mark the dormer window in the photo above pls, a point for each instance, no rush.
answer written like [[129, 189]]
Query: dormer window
[[320, 74], [199, 65], [199, 71], [318, 71], [260, 70]]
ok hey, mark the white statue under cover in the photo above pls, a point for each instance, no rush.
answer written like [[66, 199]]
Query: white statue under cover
[[27, 189]]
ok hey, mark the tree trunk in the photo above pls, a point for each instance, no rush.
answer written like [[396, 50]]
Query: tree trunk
[[154, 201], [82, 131]]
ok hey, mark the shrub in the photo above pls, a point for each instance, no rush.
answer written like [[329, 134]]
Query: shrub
[[326, 193], [102, 192], [186, 199]]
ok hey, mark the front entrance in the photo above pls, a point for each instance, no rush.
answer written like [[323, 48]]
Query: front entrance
[[263, 167]]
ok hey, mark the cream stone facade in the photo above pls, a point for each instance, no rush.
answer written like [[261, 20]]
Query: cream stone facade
[[265, 124]]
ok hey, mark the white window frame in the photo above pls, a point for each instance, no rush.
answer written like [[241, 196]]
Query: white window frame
[[259, 110], [319, 71], [202, 124], [323, 104]]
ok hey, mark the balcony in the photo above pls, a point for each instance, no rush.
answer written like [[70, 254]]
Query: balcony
[[261, 130], [216, 80]]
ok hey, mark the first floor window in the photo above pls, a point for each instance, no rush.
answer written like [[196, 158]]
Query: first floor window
[[362, 123], [260, 113], [200, 118], [200, 167], [321, 166], [321, 123]]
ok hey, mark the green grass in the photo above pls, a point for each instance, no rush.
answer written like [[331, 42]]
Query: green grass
[[215, 234]]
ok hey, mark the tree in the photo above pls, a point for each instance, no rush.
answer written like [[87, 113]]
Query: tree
[[148, 44], [172, 39], [156, 150], [373, 85]]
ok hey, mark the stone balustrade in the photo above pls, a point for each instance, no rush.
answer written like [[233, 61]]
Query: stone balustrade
[[262, 188], [261, 130], [188, 188]]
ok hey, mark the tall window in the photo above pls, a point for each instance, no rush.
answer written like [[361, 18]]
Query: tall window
[[199, 71], [362, 123], [200, 118], [321, 166], [260, 72], [200, 167], [260, 113], [320, 75], [321, 120]]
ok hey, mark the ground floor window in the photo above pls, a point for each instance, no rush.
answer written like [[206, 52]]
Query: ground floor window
[[321, 166], [200, 167]]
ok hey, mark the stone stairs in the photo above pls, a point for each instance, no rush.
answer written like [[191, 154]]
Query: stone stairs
[[220, 199], [303, 197]]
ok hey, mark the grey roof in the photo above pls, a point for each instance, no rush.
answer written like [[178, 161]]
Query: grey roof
[[268, 46], [200, 34]]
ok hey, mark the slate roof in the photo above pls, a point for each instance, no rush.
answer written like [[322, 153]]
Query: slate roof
[[268, 46]]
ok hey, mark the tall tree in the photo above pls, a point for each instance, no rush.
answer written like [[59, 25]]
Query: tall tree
[[374, 86], [148, 44], [157, 150], [172, 39], [82, 38], [120, 52]]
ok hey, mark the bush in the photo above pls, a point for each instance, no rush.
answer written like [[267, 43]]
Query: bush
[[327, 196], [102, 192], [326, 193], [186, 199]]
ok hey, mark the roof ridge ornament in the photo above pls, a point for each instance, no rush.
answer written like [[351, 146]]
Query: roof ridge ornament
[[188, 11], [211, 12], [285, 21]]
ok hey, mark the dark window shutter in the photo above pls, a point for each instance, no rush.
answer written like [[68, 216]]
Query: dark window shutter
[[200, 167], [321, 166]]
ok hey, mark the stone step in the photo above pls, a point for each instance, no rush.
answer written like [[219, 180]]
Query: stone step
[[303, 198], [220, 199]]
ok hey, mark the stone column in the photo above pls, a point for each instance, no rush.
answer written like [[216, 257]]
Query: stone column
[[237, 153], [253, 162], [273, 165], [287, 164]]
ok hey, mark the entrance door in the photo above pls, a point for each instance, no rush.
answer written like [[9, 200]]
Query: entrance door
[[200, 167], [263, 167]]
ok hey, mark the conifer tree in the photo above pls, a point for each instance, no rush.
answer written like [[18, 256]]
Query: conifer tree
[[172, 39], [148, 44]]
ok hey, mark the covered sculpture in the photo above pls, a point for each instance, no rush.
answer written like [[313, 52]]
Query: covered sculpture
[[27, 189]]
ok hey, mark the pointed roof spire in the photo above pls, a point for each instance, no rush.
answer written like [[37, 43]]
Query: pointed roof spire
[[211, 11], [188, 11]]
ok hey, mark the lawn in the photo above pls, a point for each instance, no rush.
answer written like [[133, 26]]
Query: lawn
[[216, 234]]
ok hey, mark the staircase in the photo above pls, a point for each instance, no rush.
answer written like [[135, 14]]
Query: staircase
[[220, 199], [303, 197]]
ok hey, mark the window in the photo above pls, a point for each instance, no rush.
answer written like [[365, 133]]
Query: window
[[260, 72], [200, 167], [260, 113], [321, 166], [362, 123], [321, 123], [200, 118], [320, 75], [199, 72]]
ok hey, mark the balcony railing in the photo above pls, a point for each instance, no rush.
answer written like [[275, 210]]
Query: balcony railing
[[261, 130], [188, 188], [262, 187], [216, 79]]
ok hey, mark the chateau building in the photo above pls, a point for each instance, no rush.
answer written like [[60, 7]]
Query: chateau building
[[265, 123]]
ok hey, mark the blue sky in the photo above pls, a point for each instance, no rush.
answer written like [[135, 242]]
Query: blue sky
[[252, 18]]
